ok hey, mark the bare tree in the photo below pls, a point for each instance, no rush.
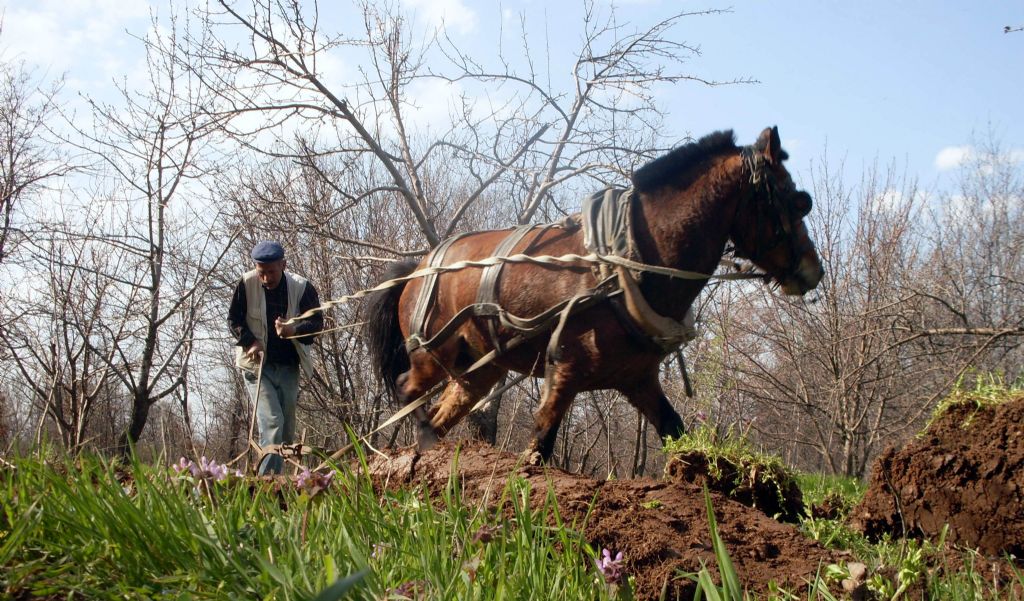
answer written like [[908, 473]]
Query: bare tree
[[534, 136], [972, 294], [151, 156], [53, 339], [833, 366], [907, 306], [27, 160]]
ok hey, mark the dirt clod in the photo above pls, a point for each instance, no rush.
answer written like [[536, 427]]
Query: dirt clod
[[967, 471], [773, 493]]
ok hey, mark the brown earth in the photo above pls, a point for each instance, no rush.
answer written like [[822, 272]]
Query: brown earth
[[661, 527], [967, 470], [772, 491]]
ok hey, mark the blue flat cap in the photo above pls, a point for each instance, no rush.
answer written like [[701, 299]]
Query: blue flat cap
[[267, 251]]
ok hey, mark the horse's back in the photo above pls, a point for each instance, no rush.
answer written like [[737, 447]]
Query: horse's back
[[522, 288]]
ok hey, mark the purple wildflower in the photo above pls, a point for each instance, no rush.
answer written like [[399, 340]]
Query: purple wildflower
[[611, 568], [183, 465], [205, 469], [313, 482], [212, 469]]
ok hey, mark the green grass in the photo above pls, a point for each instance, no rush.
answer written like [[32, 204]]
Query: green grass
[[79, 532], [892, 568], [733, 464], [989, 390], [730, 446], [82, 530], [816, 488]]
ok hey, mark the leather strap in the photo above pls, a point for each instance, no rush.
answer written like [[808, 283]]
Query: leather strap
[[487, 293], [425, 300]]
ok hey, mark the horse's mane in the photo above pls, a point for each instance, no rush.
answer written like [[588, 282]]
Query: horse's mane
[[672, 168]]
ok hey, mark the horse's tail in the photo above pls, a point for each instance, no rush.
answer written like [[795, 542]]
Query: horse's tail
[[382, 333]]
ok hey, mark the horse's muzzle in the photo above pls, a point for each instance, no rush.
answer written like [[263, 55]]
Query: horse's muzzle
[[806, 276]]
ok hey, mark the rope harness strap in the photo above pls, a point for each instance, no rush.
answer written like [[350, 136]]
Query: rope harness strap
[[569, 259], [428, 291]]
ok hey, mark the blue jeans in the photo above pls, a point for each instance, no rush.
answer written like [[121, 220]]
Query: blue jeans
[[275, 409]]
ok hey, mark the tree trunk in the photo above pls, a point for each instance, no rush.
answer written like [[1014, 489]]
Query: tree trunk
[[140, 413]]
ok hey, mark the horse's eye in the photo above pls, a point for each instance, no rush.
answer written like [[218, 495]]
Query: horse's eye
[[801, 204]]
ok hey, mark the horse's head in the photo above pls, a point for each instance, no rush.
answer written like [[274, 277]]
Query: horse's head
[[769, 228]]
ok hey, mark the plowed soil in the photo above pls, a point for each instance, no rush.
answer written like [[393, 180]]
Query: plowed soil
[[661, 527], [967, 470], [774, 494]]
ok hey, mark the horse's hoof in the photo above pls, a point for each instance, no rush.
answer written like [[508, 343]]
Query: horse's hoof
[[532, 457], [426, 438]]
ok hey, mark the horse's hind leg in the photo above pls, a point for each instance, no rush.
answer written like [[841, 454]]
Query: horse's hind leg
[[558, 396], [459, 397], [650, 399], [424, 373]]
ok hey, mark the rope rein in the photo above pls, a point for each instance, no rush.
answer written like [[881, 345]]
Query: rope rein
[[567, 259]]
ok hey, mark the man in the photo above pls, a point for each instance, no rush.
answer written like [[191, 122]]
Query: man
[[264, 299]]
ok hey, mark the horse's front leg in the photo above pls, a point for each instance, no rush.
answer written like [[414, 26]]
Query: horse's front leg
[[648, 396], [559, 392], [424, 372], [459, 397]]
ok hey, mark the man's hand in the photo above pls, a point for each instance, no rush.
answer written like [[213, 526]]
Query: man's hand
[[284, 330], [254, 351]]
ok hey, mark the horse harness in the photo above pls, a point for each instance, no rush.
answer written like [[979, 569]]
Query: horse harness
[[764, 185], [607, 230]]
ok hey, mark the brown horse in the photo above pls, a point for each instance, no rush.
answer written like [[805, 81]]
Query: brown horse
[[690, 202]]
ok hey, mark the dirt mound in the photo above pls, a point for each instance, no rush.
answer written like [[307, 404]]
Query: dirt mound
[[966, 471], [772, 492], [661, 527]]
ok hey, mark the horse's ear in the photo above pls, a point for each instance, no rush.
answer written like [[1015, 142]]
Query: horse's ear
[[770, 145]]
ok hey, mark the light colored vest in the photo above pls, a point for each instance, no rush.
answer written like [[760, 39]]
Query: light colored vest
[[256, 317]]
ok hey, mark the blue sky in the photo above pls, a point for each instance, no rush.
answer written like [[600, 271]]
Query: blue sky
[[885, 80], [908, 82]]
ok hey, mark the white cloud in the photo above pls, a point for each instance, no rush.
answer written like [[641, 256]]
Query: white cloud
[[434, 100], [450, 13], [72, 35], [985, 162], [952, 157], [891, 200]]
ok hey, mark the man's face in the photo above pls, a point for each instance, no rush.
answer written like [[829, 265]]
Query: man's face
[[270, 273]]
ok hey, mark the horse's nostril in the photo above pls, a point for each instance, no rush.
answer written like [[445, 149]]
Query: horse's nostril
[[811, 273]]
